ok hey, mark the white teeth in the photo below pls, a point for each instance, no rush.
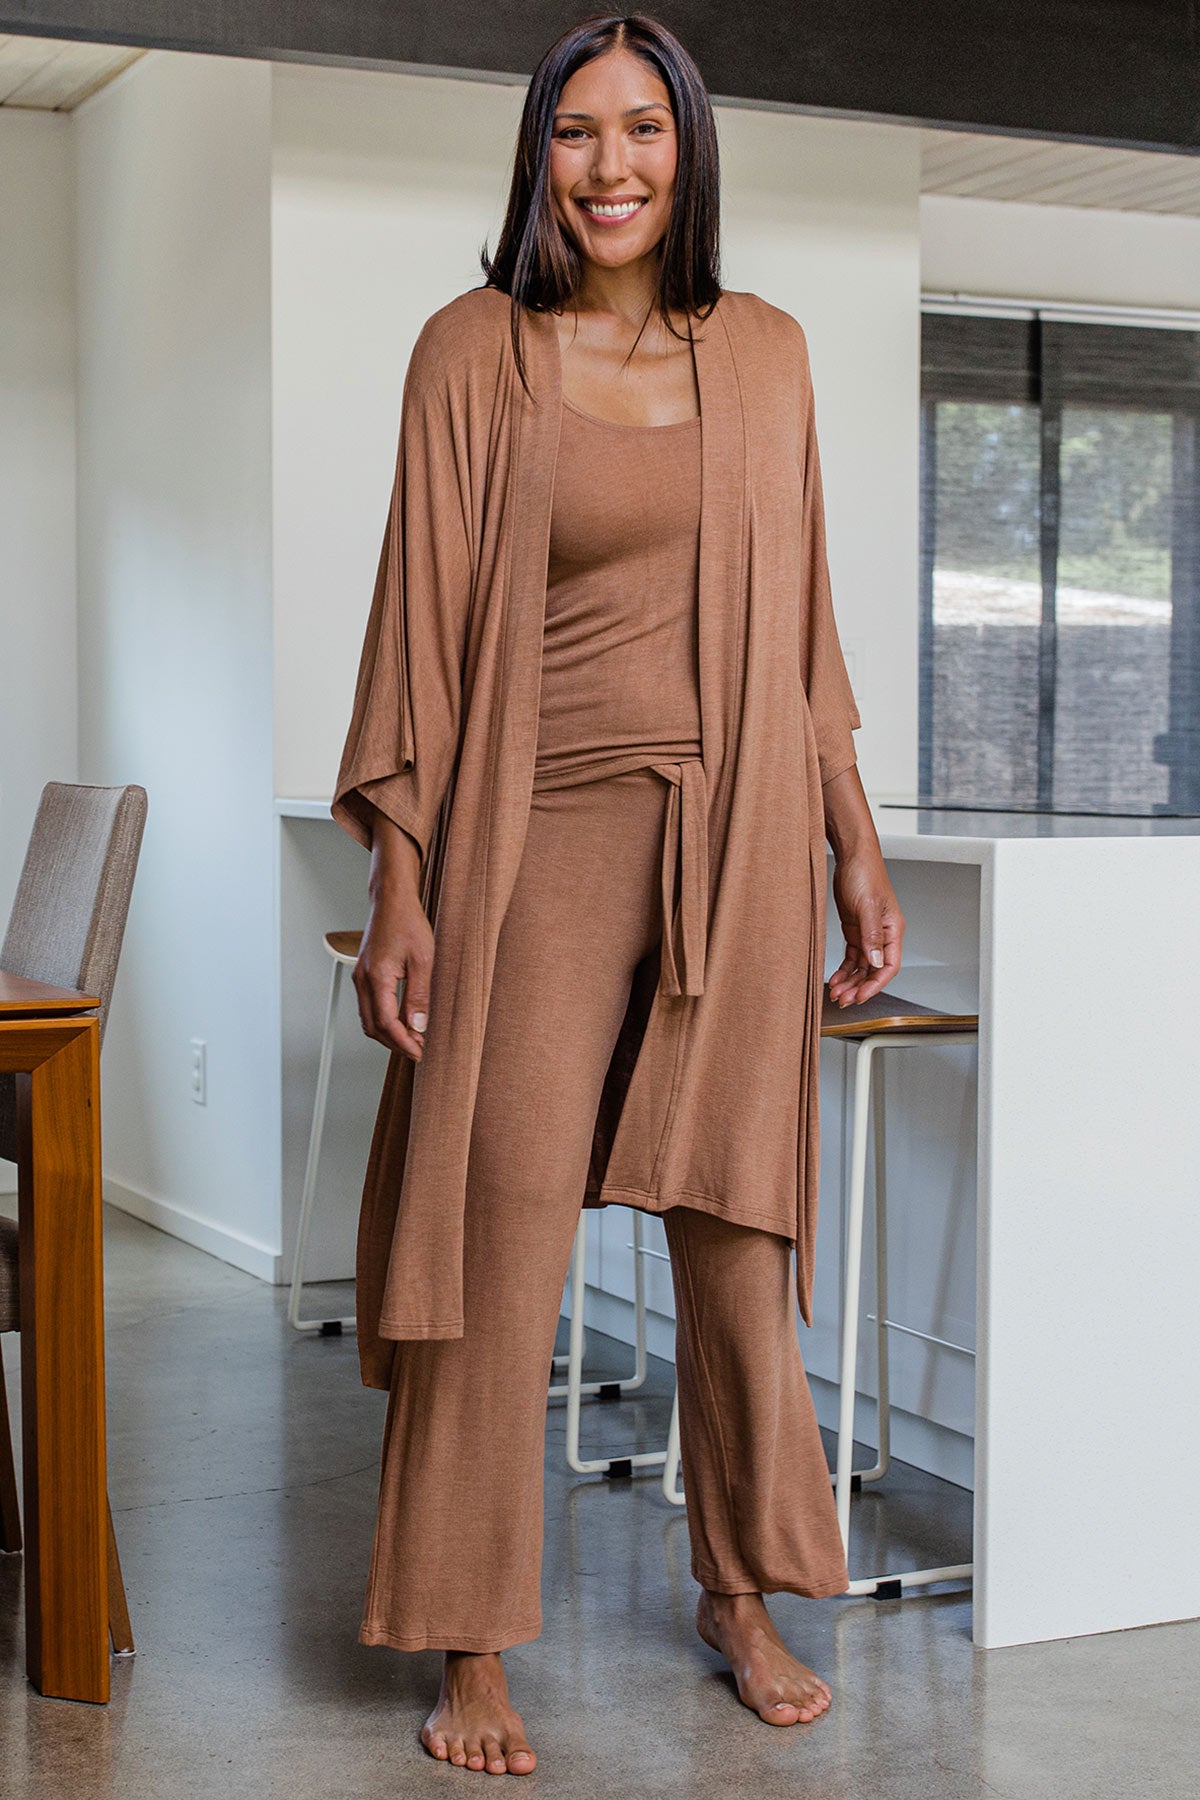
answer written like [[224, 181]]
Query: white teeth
[[611, 212]]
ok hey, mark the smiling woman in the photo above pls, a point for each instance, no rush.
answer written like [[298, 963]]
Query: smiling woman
[[601, 728]]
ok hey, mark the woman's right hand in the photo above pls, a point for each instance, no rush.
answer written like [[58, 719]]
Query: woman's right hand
[[397, 946]]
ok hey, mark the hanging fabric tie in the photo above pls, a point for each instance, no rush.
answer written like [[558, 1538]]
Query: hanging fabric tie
[[685, 849]]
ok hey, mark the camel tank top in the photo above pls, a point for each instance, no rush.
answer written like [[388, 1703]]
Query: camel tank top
[[620, 674]]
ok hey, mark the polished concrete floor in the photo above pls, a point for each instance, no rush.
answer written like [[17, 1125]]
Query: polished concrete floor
[[243, 1464]]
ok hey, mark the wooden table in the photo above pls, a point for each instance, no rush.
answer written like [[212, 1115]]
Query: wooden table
[[50, 1038]]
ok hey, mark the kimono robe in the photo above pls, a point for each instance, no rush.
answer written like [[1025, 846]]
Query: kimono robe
[[711, 1098]]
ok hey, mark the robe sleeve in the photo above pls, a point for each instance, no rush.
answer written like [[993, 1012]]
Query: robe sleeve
[[402, 742], [822, 667]]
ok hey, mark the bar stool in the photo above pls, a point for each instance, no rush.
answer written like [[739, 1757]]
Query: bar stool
[[343, 948], [885, 1022]]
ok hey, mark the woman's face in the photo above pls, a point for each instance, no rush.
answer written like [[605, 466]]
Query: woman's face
[[614, 145]]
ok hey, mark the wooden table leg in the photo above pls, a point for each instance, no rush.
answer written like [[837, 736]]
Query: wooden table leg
[[62, 1364]]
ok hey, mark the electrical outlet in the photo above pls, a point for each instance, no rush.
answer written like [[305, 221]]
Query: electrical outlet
[[200, 1071]]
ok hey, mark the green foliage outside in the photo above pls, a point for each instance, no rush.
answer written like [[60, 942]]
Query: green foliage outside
[[1115, 467]]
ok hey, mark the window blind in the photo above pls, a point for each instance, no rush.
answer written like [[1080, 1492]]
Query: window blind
[[1060, 566]]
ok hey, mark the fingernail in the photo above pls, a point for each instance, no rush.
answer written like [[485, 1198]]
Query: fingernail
[[419, 1021], [877, 959]]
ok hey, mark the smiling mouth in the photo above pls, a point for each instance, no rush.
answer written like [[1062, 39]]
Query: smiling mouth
[[610, 210]]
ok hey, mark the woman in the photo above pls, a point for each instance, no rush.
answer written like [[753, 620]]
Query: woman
[[602, 726]]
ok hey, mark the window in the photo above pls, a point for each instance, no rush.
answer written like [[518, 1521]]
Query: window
[[1060, 566]]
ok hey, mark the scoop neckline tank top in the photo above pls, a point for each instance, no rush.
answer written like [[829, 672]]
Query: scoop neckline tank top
[[620, 686], [624, 424], [620, 649]]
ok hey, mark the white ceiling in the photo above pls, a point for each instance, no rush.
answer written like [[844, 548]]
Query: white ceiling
[[55, 74], [1056, 174]]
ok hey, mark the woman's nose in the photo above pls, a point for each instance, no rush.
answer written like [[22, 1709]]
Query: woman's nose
[[610, 162]]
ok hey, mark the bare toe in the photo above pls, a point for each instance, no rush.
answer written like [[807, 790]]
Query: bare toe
[[494, 1755], [435, 1743], [521, 1761]]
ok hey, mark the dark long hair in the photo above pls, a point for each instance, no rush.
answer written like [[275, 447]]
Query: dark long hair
[[535, 262]]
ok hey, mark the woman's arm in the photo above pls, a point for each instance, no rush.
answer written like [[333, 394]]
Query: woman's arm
[[397, 944], [872, 922]]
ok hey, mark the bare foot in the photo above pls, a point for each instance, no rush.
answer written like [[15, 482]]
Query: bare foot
[[473, 1725], [770, 1680]]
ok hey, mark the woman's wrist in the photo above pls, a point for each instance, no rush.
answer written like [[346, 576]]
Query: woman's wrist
[[849, 826], [395, 862]]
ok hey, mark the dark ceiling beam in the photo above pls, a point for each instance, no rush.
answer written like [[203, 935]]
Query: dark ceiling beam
[[1122, 72]]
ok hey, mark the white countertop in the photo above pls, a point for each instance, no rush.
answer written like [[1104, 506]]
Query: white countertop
[[288, 807], [922, 833], [913, 833]]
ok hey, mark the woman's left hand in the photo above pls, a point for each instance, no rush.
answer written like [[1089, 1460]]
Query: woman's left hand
[[872, 925]]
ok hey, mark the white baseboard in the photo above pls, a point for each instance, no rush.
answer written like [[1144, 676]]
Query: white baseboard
[[203, 1234]]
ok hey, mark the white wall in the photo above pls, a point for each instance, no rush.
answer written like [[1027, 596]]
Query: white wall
[[173, 172], [378, 211], [38, 733], [820, 216], [1059, 252], [37, 474]]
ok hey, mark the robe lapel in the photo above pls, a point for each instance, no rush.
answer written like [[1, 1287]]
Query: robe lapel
[[535, 422], [721, 585]]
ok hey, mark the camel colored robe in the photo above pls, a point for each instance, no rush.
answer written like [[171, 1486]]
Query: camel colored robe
[[711, 1099]]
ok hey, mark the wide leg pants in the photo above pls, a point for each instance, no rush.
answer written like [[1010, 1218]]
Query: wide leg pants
[[456, 1562]]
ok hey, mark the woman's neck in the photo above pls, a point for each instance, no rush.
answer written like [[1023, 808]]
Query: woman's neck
[[628, 292]]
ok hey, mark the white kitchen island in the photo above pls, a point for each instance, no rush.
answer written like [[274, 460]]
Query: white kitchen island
[[1044, 1193], [1075, 934]]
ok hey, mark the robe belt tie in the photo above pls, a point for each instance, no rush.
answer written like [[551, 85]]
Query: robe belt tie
[[685, 848]]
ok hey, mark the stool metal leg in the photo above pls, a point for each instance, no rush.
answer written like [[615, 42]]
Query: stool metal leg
[[328, 1327], [853, 1280], [624, 1384], [879, 1467], [884, 1586], [575, 1386], [671, 1467], [670, 1482]]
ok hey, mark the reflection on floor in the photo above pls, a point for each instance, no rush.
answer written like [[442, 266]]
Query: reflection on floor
[[243, 1462]]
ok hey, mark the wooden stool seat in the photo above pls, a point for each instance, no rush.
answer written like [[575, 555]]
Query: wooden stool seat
[[889, 1012], [344, 946]]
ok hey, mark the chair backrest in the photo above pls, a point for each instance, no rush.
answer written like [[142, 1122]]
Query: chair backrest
[[72, 901]]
